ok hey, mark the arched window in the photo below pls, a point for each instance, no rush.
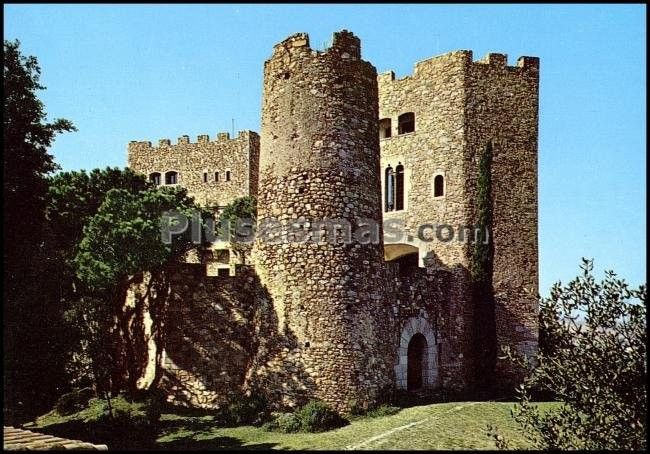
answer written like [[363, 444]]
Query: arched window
[[227, 175], [406, 123], [171, 177], [155, 178], [390, 191], [439, 186], [216, 176], [385, 128], [399, 187]]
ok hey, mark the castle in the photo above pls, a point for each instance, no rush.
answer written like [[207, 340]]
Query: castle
[[423, 160]]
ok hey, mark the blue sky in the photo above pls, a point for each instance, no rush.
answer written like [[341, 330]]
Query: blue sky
[[145, 72]]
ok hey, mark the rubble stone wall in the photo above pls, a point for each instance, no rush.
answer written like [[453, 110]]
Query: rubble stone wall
[[320, 160]]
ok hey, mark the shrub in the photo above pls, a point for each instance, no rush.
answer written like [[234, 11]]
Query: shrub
[[594, 361], [271, 426], [288, 423], [131, 415], [74, 401], [317, 416], [383, 410], [252, 409], [355, 408]]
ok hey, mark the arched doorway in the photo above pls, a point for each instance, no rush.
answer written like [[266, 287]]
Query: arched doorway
[[417, 350], [415, 362]]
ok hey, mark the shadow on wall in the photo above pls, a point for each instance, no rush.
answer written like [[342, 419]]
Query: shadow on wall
[[468, 330], [221, 336], [276, 370], [218, 338]]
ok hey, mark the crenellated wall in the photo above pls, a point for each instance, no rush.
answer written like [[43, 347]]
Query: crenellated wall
[[502, 107], [459, 105], [192, 160], [334, 321]]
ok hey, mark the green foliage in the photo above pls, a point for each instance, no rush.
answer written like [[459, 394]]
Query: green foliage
[[383, 410], [355, 410], [124, 236], [246, 410], [594, 363], [314, 416], [288, 423], [236, 221], [32, 336], [481, 271], [241, 208], [317, 416], [94, 356], [26, 137], [74, 197], [481, 259], [74, 401]]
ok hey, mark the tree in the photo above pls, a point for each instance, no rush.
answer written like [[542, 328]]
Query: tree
[[73, 198], [120, 242], [236, 217], [594, 362], [26, 163], [481, 272]]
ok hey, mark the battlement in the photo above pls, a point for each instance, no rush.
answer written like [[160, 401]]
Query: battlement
[[345, 45], [222, 137], [492, 59], [501, 61]]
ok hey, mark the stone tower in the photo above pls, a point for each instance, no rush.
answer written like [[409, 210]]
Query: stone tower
[[435, 126], [319, 162]]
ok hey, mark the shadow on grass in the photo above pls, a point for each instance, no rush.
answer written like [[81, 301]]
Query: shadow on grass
[[213, 444], [196, 433]]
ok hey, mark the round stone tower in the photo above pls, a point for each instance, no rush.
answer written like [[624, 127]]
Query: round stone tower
[[318, 251]]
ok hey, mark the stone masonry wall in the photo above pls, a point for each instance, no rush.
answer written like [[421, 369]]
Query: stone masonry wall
[[208, 332], [435, 93], [332, 320], [192, 160], [459, 105], [320, 160], [502, 107]]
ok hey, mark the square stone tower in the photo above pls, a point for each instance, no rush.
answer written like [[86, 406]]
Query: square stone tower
[[435, 126]]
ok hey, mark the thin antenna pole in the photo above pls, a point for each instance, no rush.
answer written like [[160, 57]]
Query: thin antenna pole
[[233, 128]]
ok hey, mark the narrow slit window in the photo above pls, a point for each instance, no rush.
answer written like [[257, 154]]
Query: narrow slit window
[[385, 128], [205, 177], [227, 175], [399, 187], [406, 123], [390, 191], [216, 176], [439, 186]]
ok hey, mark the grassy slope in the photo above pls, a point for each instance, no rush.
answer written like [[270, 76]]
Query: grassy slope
[[460, 425]]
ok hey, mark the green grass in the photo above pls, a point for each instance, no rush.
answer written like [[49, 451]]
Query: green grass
[[458, 425]]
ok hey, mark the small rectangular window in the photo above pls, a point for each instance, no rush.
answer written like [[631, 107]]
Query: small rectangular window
[[216, 176], [171, 177], [406, 123], [227, 175], [205, 177]]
